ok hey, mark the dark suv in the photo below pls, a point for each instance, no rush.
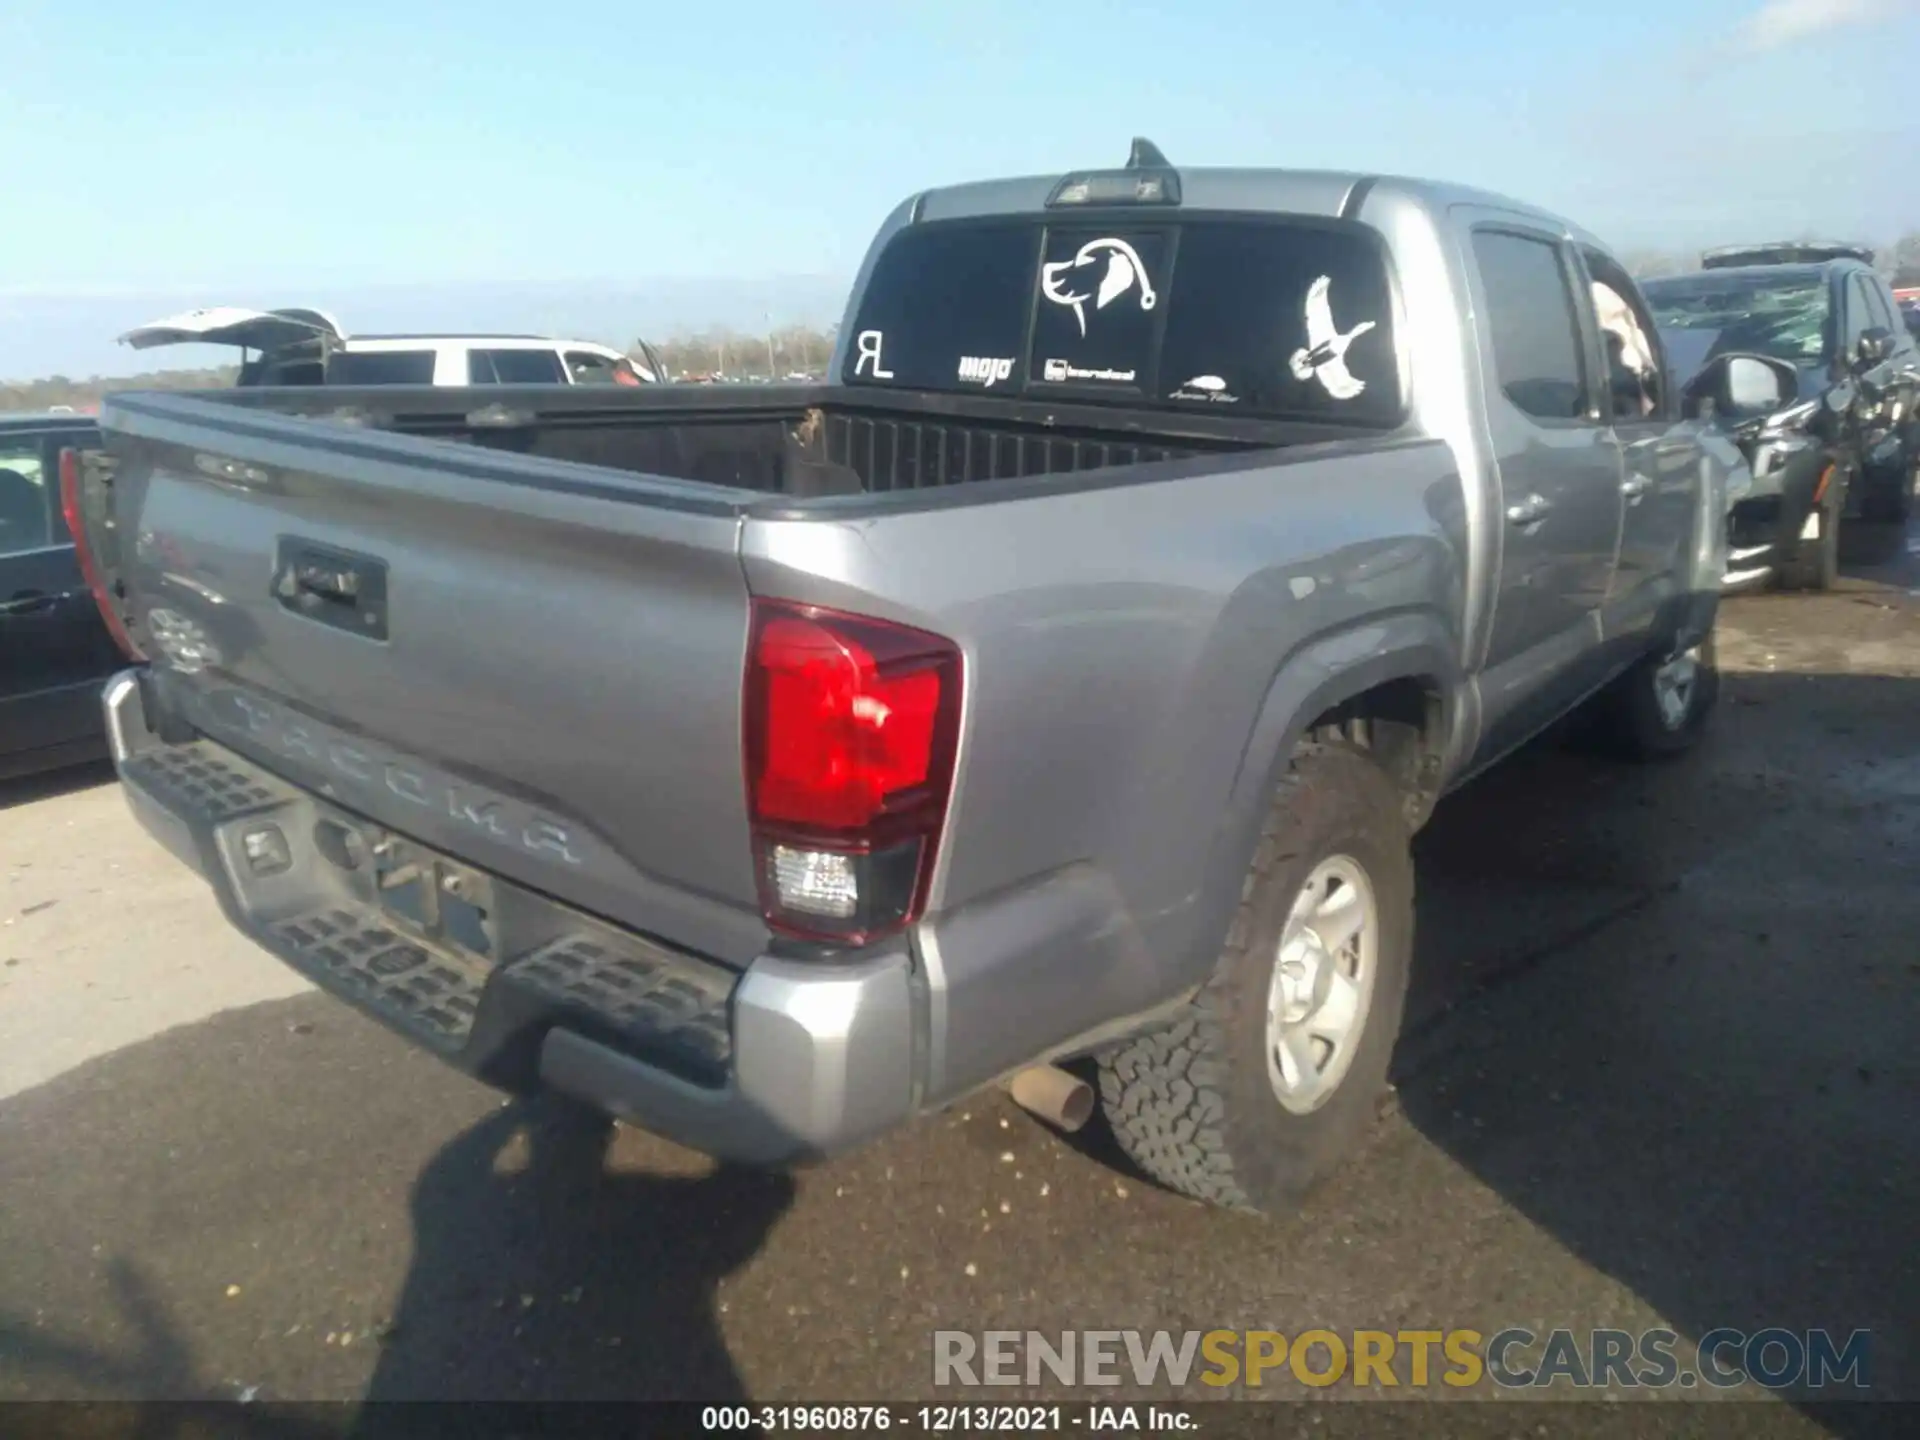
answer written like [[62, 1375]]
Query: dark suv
[[55, 653], [1848, 443]]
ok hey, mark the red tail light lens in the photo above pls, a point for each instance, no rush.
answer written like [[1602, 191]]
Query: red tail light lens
[[851, 729], [77, 528]]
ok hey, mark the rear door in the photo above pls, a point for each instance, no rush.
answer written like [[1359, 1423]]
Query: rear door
[[54, 651], [264, 330], [1899, 376], [1659, 483], [1559, 476], [1876, 391]]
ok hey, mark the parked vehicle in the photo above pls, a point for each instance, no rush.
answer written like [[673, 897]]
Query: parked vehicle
[[1784, 252], [1067, 679], [308, 347], [55, 652], [1846, 442]]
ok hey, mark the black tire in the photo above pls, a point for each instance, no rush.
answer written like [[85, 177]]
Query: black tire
[[1902, 506], [1629, 720], [1892, 504], [1191, 1103], [1815, 564]]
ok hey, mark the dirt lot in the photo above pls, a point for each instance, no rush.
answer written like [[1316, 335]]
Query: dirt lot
[[1663, 1070]]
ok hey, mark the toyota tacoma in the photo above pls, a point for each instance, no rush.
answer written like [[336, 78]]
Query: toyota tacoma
[[1063, 680]]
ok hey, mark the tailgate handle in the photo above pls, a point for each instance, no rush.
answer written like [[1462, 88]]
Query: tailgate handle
[[334, 587]]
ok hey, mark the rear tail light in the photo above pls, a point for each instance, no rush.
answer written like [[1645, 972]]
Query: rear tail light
[[83, 549], [851, 729]]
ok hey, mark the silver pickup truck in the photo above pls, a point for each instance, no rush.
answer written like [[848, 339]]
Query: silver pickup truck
[[1062, 681]]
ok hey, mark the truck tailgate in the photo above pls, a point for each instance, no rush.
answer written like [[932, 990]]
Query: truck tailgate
[[532, 665]]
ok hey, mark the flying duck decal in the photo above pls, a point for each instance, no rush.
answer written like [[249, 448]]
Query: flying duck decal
[[1325, 356]]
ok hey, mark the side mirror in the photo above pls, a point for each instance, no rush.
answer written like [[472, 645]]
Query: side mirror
[[1740, 387], [1872, 347]]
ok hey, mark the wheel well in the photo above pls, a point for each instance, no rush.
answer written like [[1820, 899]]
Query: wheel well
[[1401, 723]]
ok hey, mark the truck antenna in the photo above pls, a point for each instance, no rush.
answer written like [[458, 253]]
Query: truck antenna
[[1146, 156]]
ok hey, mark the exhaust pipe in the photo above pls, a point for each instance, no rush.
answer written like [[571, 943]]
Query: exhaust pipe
[[1062, 1100]]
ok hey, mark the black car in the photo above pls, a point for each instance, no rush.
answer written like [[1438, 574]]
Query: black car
[[55, 651], [1847, 444]]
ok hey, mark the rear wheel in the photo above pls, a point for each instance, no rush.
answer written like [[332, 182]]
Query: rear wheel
[[1892, 503], [1272, 1074], [1660, 707], [1815, 561]]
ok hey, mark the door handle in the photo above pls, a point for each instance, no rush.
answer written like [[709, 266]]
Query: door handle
[[1528, 510], [1634, 486], [32, 602]]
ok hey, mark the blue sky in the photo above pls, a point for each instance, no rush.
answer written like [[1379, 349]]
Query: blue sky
[[618, 169]]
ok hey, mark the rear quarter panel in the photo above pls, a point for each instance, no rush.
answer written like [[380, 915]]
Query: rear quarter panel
[[1122, 644]]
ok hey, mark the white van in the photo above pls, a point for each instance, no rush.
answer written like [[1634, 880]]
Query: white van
[[308, 347]]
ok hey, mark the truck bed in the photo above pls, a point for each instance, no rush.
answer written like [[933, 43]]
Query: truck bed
[[796, 442]]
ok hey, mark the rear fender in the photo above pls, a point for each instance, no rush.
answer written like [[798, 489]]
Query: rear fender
[[1320, 676]]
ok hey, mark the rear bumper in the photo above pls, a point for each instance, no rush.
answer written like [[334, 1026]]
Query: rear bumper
[[783, 1062]]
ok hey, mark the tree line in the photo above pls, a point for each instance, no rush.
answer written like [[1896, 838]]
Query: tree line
[[794, 349], [55, 391]]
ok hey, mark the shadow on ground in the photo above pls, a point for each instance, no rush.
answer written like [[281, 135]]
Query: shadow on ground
[[51, 784], [1715, 1102], [1872, 551], [523, 1210]]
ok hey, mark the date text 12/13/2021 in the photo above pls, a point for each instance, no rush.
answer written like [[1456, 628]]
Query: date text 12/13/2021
[[949, 1419]]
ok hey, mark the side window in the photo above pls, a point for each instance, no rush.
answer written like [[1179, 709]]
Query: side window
[[1536, 337], [514, 367], [26, 496], [586, 368], [1860, 317], [1634, 381], [1883, 308]]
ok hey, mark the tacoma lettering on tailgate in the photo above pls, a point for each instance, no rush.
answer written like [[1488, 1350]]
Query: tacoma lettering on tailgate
[[363, 765]]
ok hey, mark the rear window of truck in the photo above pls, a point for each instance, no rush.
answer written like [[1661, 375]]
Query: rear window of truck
[[381, 367], [1276, 318]]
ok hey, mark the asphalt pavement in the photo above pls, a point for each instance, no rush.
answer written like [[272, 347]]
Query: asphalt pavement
[[1662, 1070]]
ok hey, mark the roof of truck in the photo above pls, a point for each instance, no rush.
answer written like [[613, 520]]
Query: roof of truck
[[1296, 192]]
